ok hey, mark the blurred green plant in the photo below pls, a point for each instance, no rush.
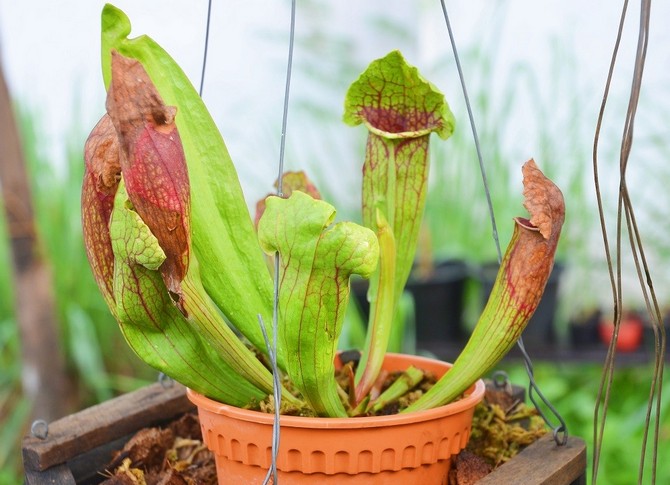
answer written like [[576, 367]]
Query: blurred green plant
[[557, 136], [99, 361], [14, 409], [571, 388], [6, 293], [95, 351]]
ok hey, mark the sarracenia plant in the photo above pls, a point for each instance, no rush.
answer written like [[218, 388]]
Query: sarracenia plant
[[181, 266]]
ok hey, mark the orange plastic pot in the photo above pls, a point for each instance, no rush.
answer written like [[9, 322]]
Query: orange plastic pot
[[398, 449]]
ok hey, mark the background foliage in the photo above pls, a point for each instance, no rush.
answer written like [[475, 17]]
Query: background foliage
[[558, 130]]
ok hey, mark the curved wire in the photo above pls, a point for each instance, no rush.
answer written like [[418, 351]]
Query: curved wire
[[625, 210], [606, 380], [560, 429], [473, 126]]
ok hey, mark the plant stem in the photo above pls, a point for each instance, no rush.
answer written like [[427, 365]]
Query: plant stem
[[201, 311], [406, 382], [382, 308]]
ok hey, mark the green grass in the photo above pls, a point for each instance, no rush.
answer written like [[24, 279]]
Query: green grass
[[572, 389], [556, 135], [13, 407]]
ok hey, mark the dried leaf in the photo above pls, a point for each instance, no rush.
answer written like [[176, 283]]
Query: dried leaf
[[101, 179], [468, 469], [153, 163], [543, 201], [101, 154]]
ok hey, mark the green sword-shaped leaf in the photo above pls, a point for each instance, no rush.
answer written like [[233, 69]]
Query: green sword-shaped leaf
[[233, 269], [154, 169]]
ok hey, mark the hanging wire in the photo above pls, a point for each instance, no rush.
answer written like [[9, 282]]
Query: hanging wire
[[276, 394], [276, 428], [625, 209], [282, 147], [635, 241], [271, 346], [608, 369], [560, 431], [204, 55], [473, 126]]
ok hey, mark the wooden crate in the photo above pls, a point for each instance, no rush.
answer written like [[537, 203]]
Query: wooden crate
[[78, 446], [543, 463]]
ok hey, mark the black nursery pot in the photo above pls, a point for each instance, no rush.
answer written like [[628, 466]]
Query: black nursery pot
[[648, 335], [438, 303], [540, 330], [584, 331]]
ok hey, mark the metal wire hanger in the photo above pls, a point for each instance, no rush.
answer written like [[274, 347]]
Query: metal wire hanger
[[271, 345], [626, 222], [560, 431], [272, 350]]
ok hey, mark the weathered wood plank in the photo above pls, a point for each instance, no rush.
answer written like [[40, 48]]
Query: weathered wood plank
[[543, 463], [87, 467], [58, 475], [92, 427]]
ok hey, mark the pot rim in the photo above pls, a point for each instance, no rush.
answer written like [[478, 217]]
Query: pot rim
[[473, 396]]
